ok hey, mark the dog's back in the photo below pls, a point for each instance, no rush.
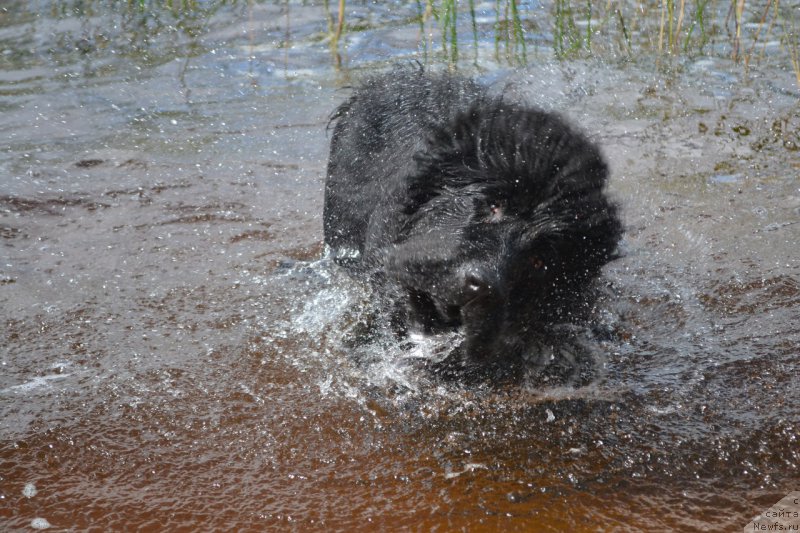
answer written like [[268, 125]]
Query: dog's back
[[377, 133]]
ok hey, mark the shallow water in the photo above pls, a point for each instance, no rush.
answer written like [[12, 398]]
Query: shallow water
[[176, 352]]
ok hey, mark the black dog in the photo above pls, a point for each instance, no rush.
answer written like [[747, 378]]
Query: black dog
[[471, 212]]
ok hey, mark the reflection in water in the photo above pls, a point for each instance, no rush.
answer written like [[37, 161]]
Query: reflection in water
[[176, 352]]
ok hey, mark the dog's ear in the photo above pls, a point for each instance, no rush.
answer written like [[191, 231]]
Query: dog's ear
[[499, 143], [451, 150], [449, 158]]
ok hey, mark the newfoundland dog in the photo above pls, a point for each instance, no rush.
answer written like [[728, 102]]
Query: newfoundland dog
[[467, 211]]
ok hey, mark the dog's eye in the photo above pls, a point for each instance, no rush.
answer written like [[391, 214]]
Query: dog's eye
[[496, 211], [538, 263]]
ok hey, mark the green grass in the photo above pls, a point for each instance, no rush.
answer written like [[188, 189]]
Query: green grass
[[668, 28], [739, 29]]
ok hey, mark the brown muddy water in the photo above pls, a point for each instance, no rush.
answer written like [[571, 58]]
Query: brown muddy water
[[174, 346]]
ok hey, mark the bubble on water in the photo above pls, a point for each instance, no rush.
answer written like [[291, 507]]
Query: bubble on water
[[725, 178], [469, 467], [325, 385], [40, 523], [29, 491]]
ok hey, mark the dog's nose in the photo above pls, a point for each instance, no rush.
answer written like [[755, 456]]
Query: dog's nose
[[478, 283]]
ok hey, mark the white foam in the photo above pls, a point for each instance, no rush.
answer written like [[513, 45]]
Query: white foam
[[35, 383], [40, 523], [29, 491]]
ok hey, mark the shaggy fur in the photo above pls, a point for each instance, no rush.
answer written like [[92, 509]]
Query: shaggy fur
[[468, 211]]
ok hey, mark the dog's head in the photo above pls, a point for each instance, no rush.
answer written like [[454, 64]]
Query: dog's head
[[506, 226]]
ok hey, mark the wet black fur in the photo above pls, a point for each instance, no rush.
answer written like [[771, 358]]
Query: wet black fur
[[468, 211]]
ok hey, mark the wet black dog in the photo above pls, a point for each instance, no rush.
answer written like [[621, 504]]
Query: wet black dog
[[469, 211]]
